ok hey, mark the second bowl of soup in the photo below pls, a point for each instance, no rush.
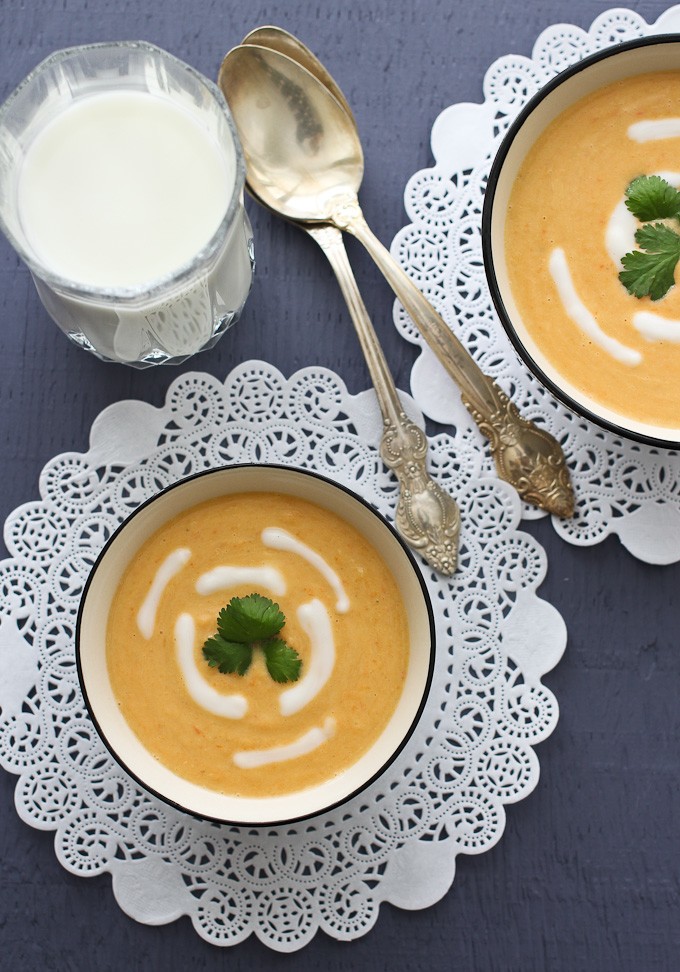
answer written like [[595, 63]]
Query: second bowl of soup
[[557, 232]]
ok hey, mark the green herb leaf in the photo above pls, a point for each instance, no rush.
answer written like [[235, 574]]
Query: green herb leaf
[[650, 271], [283, 662], [251, 618], [246, 623], [651, 197], [230, 657]]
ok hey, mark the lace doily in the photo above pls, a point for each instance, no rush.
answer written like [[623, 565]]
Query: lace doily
[[470, 755], [621, 487]]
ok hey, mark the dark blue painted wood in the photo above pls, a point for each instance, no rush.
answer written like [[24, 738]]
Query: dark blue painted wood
[[586, 876]]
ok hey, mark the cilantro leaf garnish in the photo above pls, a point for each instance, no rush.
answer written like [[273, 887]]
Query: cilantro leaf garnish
[[251, 618], [245, 624], [229, 657], [651, 197], [650, 270], [283, 662]]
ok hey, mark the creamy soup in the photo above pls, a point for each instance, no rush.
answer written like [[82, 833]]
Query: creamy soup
[[566, 231], [249, 735]]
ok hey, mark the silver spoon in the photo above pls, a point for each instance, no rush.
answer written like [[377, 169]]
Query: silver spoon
[[427, 517], [278, 39], [304, 161]]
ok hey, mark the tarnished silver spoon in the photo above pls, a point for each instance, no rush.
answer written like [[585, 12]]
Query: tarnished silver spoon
[[427, 517], [305, 161], [278, 39]]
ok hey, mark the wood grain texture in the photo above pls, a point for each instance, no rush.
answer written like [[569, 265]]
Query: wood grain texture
[[587, 875]]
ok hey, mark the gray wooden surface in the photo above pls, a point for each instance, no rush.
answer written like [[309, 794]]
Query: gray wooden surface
[[587, 875]]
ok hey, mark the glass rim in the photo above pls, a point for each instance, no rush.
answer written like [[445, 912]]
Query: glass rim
[[156, 286]]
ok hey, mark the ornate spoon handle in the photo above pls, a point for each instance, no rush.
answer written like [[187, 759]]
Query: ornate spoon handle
[[527, 457], [427, 516]]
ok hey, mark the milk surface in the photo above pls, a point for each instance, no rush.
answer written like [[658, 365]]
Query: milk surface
[[122, 188]]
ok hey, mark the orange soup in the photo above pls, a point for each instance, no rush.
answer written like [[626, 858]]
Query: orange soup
[[567, 228], [250, 735]]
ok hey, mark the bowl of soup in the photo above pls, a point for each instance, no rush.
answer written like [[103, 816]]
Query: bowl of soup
[[559, 228], [255, 644]]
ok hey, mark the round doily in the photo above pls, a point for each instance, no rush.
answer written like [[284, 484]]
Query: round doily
[[470, 755], [621, 487]]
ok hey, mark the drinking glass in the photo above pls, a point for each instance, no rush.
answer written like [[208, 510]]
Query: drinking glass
[[167, 319]]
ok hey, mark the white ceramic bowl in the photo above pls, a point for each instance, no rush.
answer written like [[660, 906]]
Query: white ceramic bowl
[[650, 54], [91, 647]]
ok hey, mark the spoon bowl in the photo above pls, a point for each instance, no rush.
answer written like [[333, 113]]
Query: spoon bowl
[[277, 39], [301, 155]]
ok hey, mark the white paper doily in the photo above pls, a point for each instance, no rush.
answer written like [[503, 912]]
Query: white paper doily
[[397, 842], [621, 487]]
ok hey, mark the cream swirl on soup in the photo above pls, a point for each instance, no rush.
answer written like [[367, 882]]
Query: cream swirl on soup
[[249, 735]]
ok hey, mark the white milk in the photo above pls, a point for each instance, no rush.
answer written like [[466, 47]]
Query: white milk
[[121, 188]]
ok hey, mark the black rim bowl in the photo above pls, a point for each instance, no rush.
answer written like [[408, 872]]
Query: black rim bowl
[[487, 248], [426, 683]]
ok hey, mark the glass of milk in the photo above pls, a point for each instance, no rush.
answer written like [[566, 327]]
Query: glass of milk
[[121, 187]]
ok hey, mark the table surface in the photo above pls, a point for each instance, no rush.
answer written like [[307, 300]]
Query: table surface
[[587, 874]]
